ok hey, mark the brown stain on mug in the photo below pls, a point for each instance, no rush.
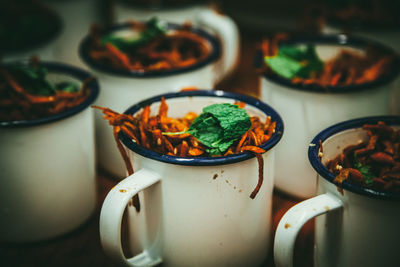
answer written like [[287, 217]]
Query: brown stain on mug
[[122, 190], [215, 176], [287, 225]]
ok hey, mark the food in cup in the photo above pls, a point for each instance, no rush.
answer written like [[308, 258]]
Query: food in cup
[[301, 64], [148, 46], [374, 163], [26, 93], [220, 130]]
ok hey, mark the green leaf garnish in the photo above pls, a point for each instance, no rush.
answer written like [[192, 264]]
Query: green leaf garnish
[[33, 79], [219, 126], [154, 28], [295, 61], [68, 87], [365, 171]]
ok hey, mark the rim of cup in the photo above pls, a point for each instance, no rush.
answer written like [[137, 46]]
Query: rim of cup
[[204, 161], [344, 40], [316, 163], [67, 70], [46, 39], [213, 56]]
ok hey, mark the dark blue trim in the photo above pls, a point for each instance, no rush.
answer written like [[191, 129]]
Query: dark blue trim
[[204, 161], [345, 41], [214, 55], [350, 124], [68, 70]]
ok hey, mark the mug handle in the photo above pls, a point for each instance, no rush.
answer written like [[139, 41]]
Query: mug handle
[[111, 217], [294, 219], [227, 30]]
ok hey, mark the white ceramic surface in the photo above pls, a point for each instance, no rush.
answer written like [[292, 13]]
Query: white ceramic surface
[[191, 215], [77, 17], [120, 91], [307, 112], [351, 229], [48, 176]]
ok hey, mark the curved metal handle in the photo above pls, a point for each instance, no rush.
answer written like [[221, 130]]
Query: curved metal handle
[[111, 217], [227, 30], [294, 219]]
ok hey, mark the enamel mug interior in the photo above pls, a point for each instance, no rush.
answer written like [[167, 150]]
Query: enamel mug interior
[[204, 198], [48, 168], [122, 88], [307, 110], [354, 228]]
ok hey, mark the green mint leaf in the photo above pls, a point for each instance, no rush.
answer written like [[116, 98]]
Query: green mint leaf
[[365, 170], [295, 61], [67, 87], [206, 129], [33, 79], [154, 28], [219, 126]]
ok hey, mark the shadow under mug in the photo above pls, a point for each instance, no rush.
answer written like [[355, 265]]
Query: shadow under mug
[[48, 168], [307, 109], [357, 228], [121, 88], [196, 211]]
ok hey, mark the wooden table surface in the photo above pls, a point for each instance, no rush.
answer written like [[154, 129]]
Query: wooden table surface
[[82, 247]]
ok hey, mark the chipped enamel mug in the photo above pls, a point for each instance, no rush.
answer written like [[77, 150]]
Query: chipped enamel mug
[[358, 227], [121, 88], [308, 109], [48, 168], [195, 211]]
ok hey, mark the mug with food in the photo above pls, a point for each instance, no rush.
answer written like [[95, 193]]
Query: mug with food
[[316, 81], [201, 179], [198, 13], [376, 20], [28, 28], [358, 207], [138, 60], [47, 150]]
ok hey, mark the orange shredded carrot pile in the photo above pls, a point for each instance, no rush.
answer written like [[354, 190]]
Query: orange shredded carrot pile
[[176, 49], [347, 68], [147, 131], [16, 103]]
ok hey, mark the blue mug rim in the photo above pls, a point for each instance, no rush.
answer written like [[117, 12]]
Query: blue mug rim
[[342, 39], [68, 70], [214, 55], [316, 163], [204, 161]]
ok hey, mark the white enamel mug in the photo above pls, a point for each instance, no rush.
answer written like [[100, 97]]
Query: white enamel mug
[[200, 14], [42, 47], [195, 211], [357, 228], [307, 109], [48, 168], [77, 17], [122, 88]]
